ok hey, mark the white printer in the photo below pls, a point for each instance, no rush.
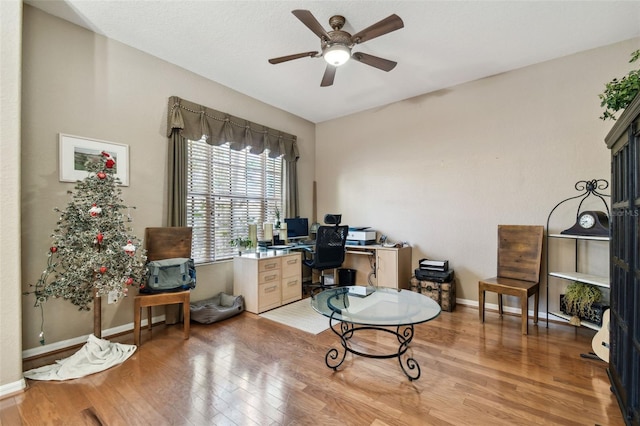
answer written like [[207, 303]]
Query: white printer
[[361, 236]]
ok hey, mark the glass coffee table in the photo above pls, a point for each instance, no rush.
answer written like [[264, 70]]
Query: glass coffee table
[[388, 310]]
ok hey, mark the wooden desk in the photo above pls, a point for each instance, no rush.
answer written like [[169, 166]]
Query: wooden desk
[[149, 300], [378, 265]]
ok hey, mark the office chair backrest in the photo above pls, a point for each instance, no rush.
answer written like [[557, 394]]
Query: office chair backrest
[[329, 251], [520, 252]]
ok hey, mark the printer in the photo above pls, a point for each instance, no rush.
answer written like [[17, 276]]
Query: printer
[[361, 236]]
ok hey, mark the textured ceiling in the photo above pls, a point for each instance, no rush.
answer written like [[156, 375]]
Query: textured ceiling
[[443, 43]]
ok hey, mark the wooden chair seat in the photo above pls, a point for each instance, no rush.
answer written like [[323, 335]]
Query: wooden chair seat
[[519, 260], [150, 300], [511, 287]]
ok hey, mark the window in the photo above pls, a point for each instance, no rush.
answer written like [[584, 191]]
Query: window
[[226, 191]]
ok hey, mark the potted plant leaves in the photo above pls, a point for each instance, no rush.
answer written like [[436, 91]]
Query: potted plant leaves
[[618, 93], [580, 300], [242, 243]]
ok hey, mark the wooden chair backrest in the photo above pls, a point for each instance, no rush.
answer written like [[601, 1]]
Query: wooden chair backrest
[[167, 242], [520, 252]]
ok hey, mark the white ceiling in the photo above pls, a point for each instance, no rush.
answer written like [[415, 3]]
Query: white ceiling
[[443, 43]]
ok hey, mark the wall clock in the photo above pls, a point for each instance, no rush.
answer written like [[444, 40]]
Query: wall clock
[[590, 223]]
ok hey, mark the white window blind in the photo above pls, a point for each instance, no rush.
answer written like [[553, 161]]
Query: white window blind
[[226, 191]]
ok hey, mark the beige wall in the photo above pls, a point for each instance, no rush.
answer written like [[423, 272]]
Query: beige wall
[[442, 170], [10, 298], [80, 83]]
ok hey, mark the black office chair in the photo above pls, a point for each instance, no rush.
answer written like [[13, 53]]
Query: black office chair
[[329, 250]]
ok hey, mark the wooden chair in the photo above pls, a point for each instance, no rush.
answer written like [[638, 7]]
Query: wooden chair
[[163, 243], [519, 259]]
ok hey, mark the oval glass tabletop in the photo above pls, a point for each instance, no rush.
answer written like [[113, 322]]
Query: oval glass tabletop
[[381, 307]]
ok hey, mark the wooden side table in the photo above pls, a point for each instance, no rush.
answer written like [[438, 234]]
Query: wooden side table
[[150, 300]]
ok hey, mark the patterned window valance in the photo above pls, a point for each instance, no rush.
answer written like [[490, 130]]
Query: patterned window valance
[[195, 121]]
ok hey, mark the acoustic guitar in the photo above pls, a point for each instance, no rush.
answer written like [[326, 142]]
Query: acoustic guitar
[[600, 342]]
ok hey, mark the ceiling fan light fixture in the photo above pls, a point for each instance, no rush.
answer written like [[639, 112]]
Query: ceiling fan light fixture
[[336, 54]]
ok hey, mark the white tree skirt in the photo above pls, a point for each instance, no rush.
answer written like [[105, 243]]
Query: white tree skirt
[[95, 356]]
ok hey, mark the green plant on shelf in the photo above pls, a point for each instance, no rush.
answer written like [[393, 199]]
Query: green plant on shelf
[[578, 298], [618, 94]]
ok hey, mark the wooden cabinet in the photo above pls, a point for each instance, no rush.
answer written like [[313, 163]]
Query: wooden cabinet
[[267, 280], [378, 265], [394, 267], [291, 278], [624, 351]]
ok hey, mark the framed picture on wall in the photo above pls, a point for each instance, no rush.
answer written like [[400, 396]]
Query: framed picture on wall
[[75, 151]]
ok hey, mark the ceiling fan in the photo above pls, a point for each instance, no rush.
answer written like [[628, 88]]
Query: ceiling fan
[[336, 45]]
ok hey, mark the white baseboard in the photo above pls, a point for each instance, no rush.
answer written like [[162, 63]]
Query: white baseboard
[[11, 388], [64, 344], [494, 307]]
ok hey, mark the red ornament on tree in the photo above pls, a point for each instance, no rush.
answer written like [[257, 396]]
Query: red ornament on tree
[[95, 210], [129, 281], [99, 237], [53, 249], [101, 175], [103, 269], [130, 249], [110, 162]]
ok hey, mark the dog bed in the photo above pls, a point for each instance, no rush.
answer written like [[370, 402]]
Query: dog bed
[[217, 308]]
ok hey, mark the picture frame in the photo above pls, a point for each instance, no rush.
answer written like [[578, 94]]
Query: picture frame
[[75, 150]]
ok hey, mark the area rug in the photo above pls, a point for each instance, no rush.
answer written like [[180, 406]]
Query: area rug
[[299, 315]]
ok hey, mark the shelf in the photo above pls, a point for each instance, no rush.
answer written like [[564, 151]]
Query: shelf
[[584, 278], [579, 237], [583, 323], [361, 252]]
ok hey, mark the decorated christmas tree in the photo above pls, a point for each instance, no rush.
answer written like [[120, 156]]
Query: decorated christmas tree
[[94, 251]]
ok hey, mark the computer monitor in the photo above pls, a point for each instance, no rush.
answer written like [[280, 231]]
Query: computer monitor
[[297, 227]]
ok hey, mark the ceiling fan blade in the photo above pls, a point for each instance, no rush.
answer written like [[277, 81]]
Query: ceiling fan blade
[[311, 22], [374, 61], [329, 74], [388, 24], [292, 57]]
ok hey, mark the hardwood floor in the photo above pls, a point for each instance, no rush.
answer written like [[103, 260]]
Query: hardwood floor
[[251, 371]]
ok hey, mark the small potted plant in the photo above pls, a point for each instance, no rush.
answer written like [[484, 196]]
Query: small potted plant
[[242, 243], [277, 225], [579, 300]]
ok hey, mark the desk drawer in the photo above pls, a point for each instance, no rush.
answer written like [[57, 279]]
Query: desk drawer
[[291, 289], [269, 296], [266, 265], [269, 277], [291, 266]]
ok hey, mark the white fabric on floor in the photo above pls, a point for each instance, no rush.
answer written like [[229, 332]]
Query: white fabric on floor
[[95, 356]]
